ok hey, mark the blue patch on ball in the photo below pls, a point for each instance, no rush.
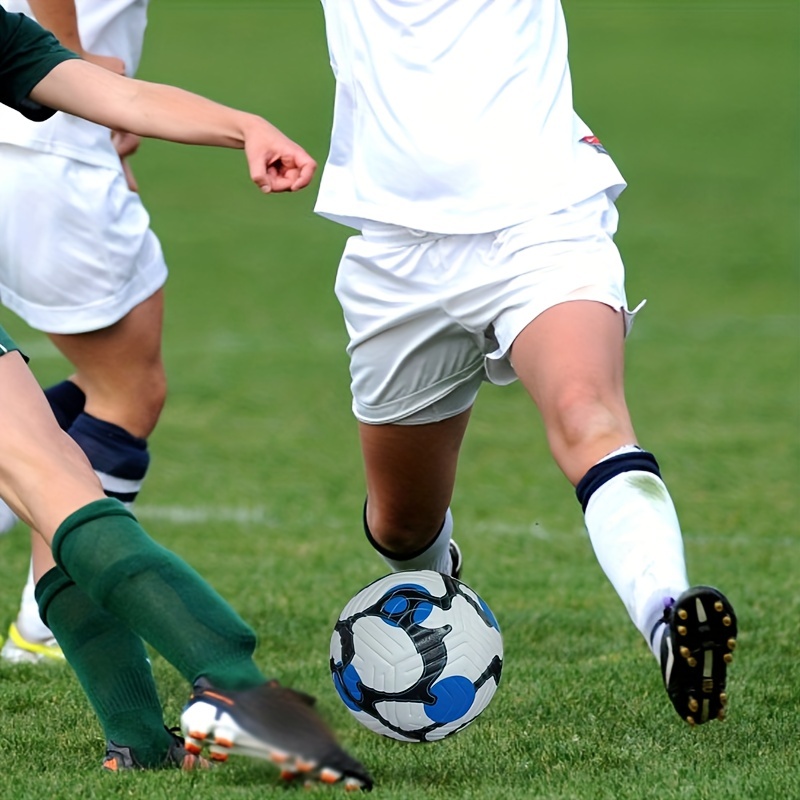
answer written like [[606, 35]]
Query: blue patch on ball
[[454, 698]]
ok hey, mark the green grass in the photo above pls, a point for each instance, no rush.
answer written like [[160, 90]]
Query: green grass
[[256, 477]]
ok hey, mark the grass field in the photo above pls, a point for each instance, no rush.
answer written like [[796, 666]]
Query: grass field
[[256, 477]]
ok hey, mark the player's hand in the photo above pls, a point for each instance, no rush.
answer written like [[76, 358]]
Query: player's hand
[[126, 144], [111, 63], [277, 164]]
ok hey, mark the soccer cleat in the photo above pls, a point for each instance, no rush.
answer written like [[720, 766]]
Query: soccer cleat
[[457, 559], [696, 649], [18, 650], [119, 758], [270, 722]]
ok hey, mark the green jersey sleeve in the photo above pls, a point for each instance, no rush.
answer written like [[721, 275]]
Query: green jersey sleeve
[[27, 53]]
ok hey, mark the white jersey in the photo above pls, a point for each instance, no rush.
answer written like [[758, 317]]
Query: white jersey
[[454, 116], [109, 28]]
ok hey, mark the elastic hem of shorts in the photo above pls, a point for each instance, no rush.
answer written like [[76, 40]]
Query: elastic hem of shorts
[[474, 371]]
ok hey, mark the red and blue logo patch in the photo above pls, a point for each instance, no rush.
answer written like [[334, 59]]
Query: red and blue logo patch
[[593, 141]]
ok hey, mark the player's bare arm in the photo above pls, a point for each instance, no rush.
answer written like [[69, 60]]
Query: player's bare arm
[[276, 163]]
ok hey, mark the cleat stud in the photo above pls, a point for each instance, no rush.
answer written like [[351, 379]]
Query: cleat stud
[[288, 775], [718, 605], [681, 630], [193, 748], [721, 715], [685, 652], [727, 658], [218, 756], [683, 613], [727, 621], [692, 662], [693, 705], [196, 735], [328, 775], [690, 720], [731, 644], [723, 698], [304, 766]]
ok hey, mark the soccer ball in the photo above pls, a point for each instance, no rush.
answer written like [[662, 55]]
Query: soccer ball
[[416, 656]]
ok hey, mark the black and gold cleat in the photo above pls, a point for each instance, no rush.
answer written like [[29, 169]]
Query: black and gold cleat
[[696, 649]]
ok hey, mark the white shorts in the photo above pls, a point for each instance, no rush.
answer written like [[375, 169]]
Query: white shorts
[[431, 316], [76, 249]]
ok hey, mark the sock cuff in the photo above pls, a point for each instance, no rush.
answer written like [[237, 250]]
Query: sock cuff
[[114, 452], [100, 428], [52, 583], [67, 400], [604, 471], [98, 509], [391, 554]]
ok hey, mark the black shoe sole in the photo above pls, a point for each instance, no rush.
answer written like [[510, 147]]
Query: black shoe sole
[[702, 631]]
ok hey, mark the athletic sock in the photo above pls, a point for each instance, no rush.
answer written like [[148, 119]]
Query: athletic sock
[[107, 553], [66, 400], [635, 534], [435, 556], [111, 664], [119, 458], [29, 622]]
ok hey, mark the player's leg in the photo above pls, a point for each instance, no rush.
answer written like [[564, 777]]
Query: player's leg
[[109, 406], [410, 472], [89, 271], [99, 545], [119, 368], [570, 359], [111, 558], [113, 668], [415, 375]]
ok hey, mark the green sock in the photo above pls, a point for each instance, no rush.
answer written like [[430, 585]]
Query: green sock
[[111, 664], [157, 595]]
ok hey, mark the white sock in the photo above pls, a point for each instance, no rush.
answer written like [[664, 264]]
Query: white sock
[[436, 556], [28, 622], [636, 537], [8, 519]]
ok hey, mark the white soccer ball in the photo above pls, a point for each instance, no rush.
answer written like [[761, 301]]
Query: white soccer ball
[[416, 656]]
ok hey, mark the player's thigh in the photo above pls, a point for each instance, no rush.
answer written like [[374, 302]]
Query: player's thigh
[[573, 348], [125, 353]]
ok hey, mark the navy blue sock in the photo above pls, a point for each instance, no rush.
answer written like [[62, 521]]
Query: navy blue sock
[[67, 401], [119, 458]]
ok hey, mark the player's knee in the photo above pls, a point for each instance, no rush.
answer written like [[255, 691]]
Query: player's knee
[[401, 531], [582, 417], [154, 397]]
